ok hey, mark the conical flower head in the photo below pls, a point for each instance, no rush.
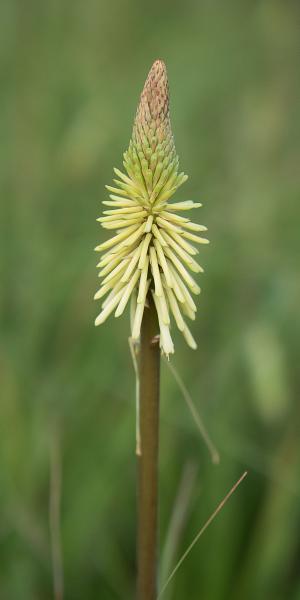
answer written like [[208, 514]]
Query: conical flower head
[[153, 249]]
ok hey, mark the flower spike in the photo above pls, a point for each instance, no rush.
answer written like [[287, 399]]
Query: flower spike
[[153, 248]]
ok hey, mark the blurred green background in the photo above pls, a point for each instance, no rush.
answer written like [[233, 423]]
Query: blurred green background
[[71, 75]]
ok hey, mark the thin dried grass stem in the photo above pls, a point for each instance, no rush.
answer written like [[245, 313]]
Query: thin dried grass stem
[[54, 517]]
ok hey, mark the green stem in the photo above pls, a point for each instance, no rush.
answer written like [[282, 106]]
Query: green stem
[[149, 364]]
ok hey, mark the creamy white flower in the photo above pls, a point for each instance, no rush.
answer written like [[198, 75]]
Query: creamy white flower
[[153, 248]]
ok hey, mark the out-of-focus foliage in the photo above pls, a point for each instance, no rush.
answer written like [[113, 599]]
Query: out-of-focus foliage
[[71, 73]]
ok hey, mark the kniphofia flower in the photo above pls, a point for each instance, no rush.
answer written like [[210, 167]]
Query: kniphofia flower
[[153, 248]]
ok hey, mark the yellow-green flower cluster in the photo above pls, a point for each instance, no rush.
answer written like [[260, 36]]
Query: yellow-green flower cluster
[[153, 249]]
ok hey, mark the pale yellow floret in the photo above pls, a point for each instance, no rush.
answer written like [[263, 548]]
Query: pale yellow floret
[[158, 235], [163, 262], [113, 281], [119, 201], [121, 249], [122, 176], [108, 308], [184, 290], [129, 210], [186, 205], [117, 193], [140, 307], [116, 271], [166, 342], [155, 271], [117, 287], [134, 236], [121, 224], [175, 285], [166, 225], [132, 309], [143, 282], [185, 245], [137, 321], [109, 266], [192, 226], [144, 250], [175, 308], [130, 189], [163, 308], [118, 216], [186, 309], [189, 338], [173, 217], [102, 291], [117, 238], [183, 272], [148, 225], [132, 264], [195, 238], [185, 257], [127, 293], [111, 255], [163, 196], [108, 219]]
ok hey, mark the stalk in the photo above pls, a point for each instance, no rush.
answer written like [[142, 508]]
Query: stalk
[[149, 366], [150, 253]]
